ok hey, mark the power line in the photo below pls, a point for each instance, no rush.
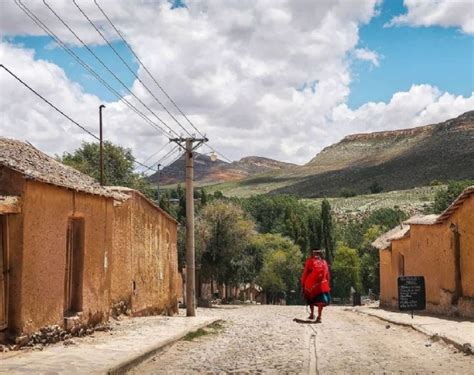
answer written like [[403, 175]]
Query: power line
[[106, 67], [128, 66], [155, 80], [45, 28], [57, 109], [146, 69], [152, 167], [171, 152], [175, 159], [47, 101], [156, 153]]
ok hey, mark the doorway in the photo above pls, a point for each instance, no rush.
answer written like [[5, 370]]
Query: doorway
[[74, 266]]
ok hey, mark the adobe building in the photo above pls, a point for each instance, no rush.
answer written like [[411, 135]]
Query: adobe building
[[145, 252], [440, 248], [61, 261]]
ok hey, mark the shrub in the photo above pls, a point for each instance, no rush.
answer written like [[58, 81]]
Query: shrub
[[347, 193], [444, 198]]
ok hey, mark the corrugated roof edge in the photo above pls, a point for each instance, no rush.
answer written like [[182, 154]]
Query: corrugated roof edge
[[446, 214], [127, 190]]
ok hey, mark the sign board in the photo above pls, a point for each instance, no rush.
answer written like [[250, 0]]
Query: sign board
[[411, 293]]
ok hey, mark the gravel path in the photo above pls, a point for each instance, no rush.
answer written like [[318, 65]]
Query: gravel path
[[264, 339]]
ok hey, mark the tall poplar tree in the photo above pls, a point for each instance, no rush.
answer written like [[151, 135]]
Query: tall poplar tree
[[327, 230]]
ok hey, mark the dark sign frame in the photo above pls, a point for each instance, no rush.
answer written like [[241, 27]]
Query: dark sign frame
[[411, 293]]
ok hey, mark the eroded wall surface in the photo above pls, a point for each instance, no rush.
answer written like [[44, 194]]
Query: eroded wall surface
[[154, 259], [429, 251], [387, 293], [121, 259], [431, 255], [46, 212], [12, 183]]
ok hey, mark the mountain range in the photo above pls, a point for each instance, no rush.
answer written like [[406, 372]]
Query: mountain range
[[208, 172], [394, 160]]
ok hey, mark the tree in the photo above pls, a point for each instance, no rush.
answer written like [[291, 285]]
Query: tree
[[345, 271], [370, 261], [445, 197], [347, 193], [118, 166], [165, 203], [327, 235], [282, 265], [203, 197], [225, 234]]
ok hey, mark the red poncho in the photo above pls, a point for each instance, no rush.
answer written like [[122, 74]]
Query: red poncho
[[315, 278]]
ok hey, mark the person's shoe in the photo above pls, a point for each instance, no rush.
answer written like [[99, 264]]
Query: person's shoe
[[318, 319], [311, 317]]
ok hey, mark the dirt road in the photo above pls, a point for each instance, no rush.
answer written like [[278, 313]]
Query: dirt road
[[264, 339]]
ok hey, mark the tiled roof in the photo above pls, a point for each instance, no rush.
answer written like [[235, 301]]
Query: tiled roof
[[422, 220], [36, 165], [455, 205], [383, 242]]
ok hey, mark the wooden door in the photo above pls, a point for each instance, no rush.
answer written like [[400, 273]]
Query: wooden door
[[74, 266], [3, 274]]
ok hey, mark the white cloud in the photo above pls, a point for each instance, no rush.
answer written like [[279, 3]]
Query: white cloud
[[445, 13], [234, 67], [367, 55]]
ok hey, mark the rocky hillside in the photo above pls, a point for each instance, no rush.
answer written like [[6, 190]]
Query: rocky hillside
[[395, 160], [207, 171]]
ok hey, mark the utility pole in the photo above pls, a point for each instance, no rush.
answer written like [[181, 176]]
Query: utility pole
[[101, 147], [158, 182], [189, 145]]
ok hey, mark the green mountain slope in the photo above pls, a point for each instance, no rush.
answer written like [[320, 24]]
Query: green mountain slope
[[396, 160]]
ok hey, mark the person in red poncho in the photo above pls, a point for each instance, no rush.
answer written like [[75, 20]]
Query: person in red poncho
[[315, 283]]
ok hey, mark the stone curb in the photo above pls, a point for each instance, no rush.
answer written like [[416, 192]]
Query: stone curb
[[460, 346], [124, 366]]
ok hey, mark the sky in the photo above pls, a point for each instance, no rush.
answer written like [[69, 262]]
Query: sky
[[275, 78]]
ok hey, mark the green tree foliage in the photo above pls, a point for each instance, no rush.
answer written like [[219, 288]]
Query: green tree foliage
[[352, 233], [282, 265], [165, 204], [347, 193], [327, 230], [226, 235], [118, 166], [345, 271], [370, 262], [445, 197], [203, 198], [286, 215]]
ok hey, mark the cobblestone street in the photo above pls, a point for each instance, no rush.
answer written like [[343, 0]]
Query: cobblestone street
[[265, 339]]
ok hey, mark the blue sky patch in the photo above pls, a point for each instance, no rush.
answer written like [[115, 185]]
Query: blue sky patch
[[442, 57], [46, 49]]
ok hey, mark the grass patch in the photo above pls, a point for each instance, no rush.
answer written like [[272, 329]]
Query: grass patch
[[209, 330], [195, 334]]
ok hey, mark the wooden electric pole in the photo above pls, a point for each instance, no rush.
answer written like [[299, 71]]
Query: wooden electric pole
[[189, 145], [101, 147]]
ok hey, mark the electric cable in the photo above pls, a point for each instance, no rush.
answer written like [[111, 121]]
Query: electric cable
[[47, 101], [45, 28], [106, 67], [128, 67]]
